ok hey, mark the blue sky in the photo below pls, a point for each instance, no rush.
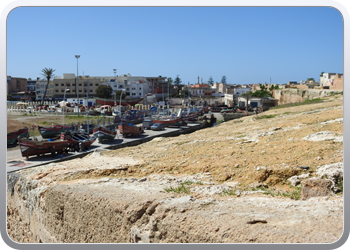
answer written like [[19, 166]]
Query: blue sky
[[246, 44]]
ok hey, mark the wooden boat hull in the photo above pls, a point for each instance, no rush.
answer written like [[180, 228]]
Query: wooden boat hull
[[107, 113], [167, 122], [12, 137], [104, 134], [53, 131], [94, 113], [74, 139], [130, 130], [30, 147], [190, 116], [124, 102], [133, 116]]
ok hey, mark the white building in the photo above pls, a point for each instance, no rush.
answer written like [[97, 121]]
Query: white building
[[327, 78], [134, 86], [240, 91]]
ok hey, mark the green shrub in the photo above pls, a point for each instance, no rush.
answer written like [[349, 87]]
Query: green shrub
[[180, 189], [265, 116]]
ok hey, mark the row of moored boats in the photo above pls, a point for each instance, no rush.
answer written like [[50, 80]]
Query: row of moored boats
[[58, 139]]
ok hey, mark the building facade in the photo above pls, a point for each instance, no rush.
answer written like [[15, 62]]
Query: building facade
[[326, 79], [200, 90], [40, 90], [16, 84], [338, 82]]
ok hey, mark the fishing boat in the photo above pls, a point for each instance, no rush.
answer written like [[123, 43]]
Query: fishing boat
[[123, 102], [94, 112], [130, 116], [167, 120], [106, 110], [130, 129], [12, 137], [53, 131], [75, 138], [190, 114], [33, 146], [104, 134]]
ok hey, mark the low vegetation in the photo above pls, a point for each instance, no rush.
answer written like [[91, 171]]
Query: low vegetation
[[305, 102]]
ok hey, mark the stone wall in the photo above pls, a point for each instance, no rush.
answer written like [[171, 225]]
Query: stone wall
[[285, 96]]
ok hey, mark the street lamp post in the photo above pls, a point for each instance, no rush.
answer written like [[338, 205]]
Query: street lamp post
[[120, 101], [87, 102], [77, 57], [64, 97], [115, 101]]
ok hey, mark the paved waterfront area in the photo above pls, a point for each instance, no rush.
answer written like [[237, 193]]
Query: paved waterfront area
[[15, 161]]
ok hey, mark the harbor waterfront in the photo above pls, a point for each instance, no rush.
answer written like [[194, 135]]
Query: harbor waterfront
[[15, 162], [251, 179]]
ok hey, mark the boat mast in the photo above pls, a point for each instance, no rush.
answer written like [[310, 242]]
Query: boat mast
[[188, 90], [87, 103], [168, 98], [115, 93]]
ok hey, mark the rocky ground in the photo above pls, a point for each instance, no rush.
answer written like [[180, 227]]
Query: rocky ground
[[273, 177]]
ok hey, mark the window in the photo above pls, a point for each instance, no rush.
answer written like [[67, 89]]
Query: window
[[127, 88], [56, 84], [120, 86], [140, 88], [96, 84], [62, 90], [91, 84], [62, 84], [90, 90], [79, 90], [140, 94], [133, 94], [56, 91]]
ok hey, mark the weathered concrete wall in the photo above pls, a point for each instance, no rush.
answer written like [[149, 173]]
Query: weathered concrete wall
[[299, 95], [130, 210]]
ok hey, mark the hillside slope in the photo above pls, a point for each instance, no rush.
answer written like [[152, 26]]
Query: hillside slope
[[236, 182]]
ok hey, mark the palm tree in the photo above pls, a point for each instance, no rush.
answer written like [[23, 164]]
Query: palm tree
[[48, 74], [247, 95]]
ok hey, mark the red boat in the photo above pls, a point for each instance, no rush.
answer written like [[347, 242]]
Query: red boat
[[130, 129], [167, 120], [34, 147], [13, 136], [124, 102], [75, 138]]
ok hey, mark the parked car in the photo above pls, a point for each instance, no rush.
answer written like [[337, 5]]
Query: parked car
[[147, 123], [157, 127]]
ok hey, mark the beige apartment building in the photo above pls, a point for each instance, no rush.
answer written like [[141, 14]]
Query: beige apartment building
[[40, 89], [74, 86], [68, 82]]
